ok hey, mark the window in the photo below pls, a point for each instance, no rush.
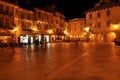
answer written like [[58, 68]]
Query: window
[[44, 17], [81, 24], [1, 20], [57, 30], [69, 29], [23, 15], [46, 27], [39, 14], [108, 13], [16, 12], [1, 8], [12, 11], [108, 23], [7, 10], [29, 16], [22, 24], [60, 30], [90, 16], [75, 28], [57, 21], [50, 20], [19, 14], [7, 21], [99, 24], [99, 14]]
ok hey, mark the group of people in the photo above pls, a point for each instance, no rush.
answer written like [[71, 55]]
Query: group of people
[[41, 43]]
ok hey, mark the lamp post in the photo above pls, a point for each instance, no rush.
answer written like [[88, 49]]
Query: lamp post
[[87, 33], [15, 30], [50, 31], [66, 35], [116, 28]]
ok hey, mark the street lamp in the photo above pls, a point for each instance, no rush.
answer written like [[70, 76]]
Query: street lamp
[[14, 36], [115, 27], [34, 29], [66, 33], [86, 29], [50, 31], [87, 33], [14, 30]]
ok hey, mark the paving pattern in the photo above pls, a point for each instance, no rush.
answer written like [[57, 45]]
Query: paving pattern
[[61, 61]]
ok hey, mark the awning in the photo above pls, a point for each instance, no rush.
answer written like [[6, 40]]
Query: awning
[[40, 32], [27, 31]]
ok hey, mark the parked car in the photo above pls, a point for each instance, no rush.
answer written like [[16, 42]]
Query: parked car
[[117, 41]]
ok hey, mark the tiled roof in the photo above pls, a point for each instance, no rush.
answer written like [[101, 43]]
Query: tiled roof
[[102, 5]]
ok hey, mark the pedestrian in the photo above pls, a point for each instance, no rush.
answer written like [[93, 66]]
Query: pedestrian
[[36, 44], [45, 43]]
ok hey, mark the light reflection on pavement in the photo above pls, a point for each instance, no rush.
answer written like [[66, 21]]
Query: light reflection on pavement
[[61, 61]]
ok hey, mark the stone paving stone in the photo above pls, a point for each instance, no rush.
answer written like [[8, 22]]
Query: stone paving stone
[[61, 61]]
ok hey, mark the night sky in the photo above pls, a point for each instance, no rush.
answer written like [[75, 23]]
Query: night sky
[[70, 8]]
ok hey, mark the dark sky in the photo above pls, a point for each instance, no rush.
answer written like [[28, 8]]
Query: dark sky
[[70, 8]]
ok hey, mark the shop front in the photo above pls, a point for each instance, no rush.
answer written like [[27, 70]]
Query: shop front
[[25, 39], [5, 37], [42, 37]]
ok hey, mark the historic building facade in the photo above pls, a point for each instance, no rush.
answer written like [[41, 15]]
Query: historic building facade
[[6, 21], [59, 23], [44, 22], [24, 26], [104, 20], [76, 29]]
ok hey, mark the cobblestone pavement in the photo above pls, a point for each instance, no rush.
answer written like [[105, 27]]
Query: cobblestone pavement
[[61, 61]]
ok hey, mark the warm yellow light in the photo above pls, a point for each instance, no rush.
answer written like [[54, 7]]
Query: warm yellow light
[[15, 29], [82, 36], [71, 36], [34, 29], [65, 32], [115, 26], [53, 36], [50, 31], [84, 33], [87, 29], [112, 33]]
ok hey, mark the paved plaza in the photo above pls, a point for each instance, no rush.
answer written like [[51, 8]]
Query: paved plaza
[[61, 61]]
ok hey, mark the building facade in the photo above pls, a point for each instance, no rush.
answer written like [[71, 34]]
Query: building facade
[[104, 20], [6, 21], [23, 20], [24, 26], [76, 29]]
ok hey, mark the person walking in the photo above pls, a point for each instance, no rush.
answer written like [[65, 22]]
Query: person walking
[[36, 44]]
